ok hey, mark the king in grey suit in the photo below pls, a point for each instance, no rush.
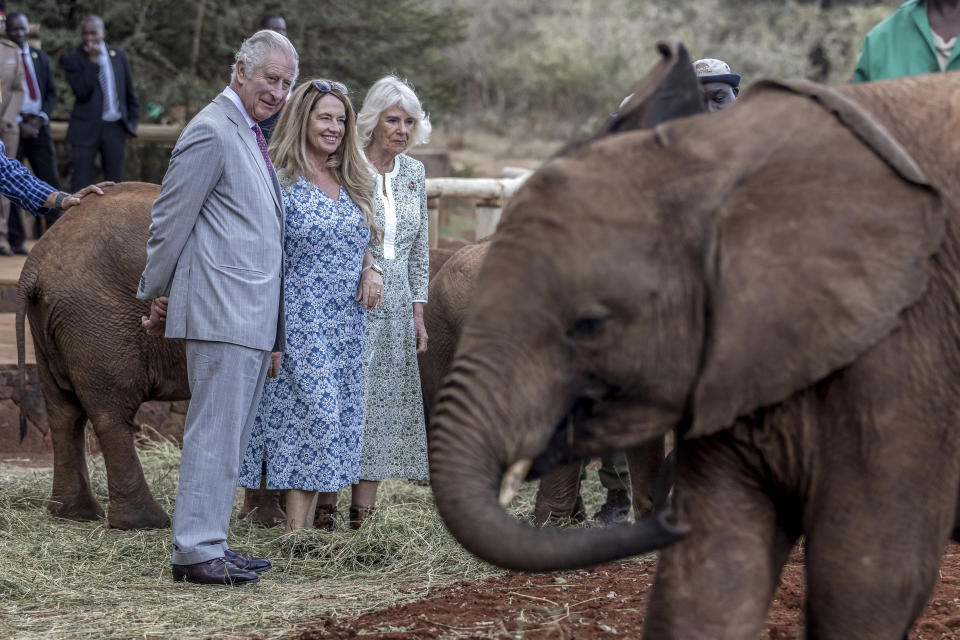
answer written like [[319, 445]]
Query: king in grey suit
[[214, 273]]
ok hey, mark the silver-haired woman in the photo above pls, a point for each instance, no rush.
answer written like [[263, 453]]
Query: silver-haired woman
[[391, 122]]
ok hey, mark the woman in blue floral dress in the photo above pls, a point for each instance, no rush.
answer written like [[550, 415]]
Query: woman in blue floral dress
[[308, 433]]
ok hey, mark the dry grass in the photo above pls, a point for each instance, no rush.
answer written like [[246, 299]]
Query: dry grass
[[61, 579]]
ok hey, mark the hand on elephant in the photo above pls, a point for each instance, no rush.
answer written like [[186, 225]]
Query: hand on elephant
[[371, 291], [419, 327], [157, 322], [274, 369], [74, 199]]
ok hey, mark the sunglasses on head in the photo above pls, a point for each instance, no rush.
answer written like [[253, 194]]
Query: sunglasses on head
[[326, 87]]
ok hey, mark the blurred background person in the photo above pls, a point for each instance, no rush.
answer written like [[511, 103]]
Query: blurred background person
[[391, 122], [558, 498], [105, 109], [721, 86], [273, 22], [309, 424], [919, 37], [36, 140], [11, 99]]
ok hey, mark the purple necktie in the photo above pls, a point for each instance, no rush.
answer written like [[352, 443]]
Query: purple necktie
[[262, 143]]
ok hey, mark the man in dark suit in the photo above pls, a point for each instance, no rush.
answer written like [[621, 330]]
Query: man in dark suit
[[273, 22], [106, 110], [36, 142]]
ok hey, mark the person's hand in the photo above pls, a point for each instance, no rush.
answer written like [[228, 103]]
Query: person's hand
[[420, 331], [274, 369], [28, 130], [371, 290], [157, 322], [74, 199]]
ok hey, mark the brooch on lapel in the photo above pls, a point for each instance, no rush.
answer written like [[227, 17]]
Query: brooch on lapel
[[413, 186], [113, 53], [34, 55]]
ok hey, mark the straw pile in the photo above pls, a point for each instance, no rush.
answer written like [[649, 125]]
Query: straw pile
[[61, 579]]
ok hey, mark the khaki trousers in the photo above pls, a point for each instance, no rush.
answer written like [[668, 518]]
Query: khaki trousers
[[11, 141]]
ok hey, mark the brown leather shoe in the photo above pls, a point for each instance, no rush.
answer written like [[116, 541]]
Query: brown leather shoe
[[216, 571], [324, 518], [358, 514], [247, 564]]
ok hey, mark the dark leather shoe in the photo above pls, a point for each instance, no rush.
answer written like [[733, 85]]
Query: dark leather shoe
[[245, 563], [325, 517], [20, 250], [5, 250], [216, 571], [616, 510], [358, 514]]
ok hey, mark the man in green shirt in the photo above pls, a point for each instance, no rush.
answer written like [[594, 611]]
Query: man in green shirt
[[920, 37]]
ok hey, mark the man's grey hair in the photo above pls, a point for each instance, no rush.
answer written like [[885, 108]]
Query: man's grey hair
[[254, 50], [93, 19], [387, 92]]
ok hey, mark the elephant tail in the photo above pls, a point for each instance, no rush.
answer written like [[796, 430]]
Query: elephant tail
[[26, 287]]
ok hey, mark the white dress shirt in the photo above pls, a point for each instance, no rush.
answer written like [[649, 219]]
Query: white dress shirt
[[111, 103], [31, 106]]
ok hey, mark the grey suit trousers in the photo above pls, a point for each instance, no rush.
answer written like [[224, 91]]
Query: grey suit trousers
[[226, 381]]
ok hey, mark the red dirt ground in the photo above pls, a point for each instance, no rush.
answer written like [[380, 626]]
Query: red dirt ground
[[605, 602]]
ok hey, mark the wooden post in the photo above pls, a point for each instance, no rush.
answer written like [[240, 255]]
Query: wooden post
[[488, 216], [433, 212]]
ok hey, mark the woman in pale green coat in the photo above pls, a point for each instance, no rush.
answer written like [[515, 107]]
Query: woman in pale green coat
[[394, 435]]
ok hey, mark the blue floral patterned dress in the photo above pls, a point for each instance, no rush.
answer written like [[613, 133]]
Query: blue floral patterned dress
[[309, 426]]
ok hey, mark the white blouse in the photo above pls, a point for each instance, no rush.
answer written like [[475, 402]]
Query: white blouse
[[385, 193]]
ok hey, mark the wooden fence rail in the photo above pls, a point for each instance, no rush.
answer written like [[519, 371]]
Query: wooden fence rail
[[489, 195]]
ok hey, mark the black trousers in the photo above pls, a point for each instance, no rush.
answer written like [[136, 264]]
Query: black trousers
[[112, 148], [42, 157]]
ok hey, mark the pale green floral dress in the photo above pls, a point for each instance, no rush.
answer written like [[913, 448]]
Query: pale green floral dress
[[394, 434]]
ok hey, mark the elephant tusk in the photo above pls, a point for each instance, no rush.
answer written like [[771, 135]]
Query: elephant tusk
[[510, 483]]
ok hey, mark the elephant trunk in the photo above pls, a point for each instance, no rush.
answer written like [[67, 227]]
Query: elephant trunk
[[466, 465]]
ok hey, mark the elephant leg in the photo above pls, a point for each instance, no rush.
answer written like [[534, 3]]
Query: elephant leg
[[872, 564], [717, 583], [644, 463], [263, 505], [955, 534], [71, 497], [557, 493], [132, 506]]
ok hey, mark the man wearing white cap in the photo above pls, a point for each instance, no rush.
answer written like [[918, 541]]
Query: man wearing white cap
[[720, 85]]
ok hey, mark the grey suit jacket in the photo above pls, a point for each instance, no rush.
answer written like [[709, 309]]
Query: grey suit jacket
[[216, 236]]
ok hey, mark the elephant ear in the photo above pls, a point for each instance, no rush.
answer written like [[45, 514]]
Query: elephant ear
[[671, 90], [822, 239]]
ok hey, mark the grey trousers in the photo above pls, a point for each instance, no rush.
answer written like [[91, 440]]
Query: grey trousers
[[226, 381]]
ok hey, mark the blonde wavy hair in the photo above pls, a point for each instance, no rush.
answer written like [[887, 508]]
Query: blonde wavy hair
[[288, 149]]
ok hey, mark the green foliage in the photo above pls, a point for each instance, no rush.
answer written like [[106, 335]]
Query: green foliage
[[181, 51], [564, 66], [554, 69]]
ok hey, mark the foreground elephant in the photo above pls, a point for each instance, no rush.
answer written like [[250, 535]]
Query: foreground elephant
[[778, 283]]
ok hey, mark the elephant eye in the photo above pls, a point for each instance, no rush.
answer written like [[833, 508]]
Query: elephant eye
[[588, 325]]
